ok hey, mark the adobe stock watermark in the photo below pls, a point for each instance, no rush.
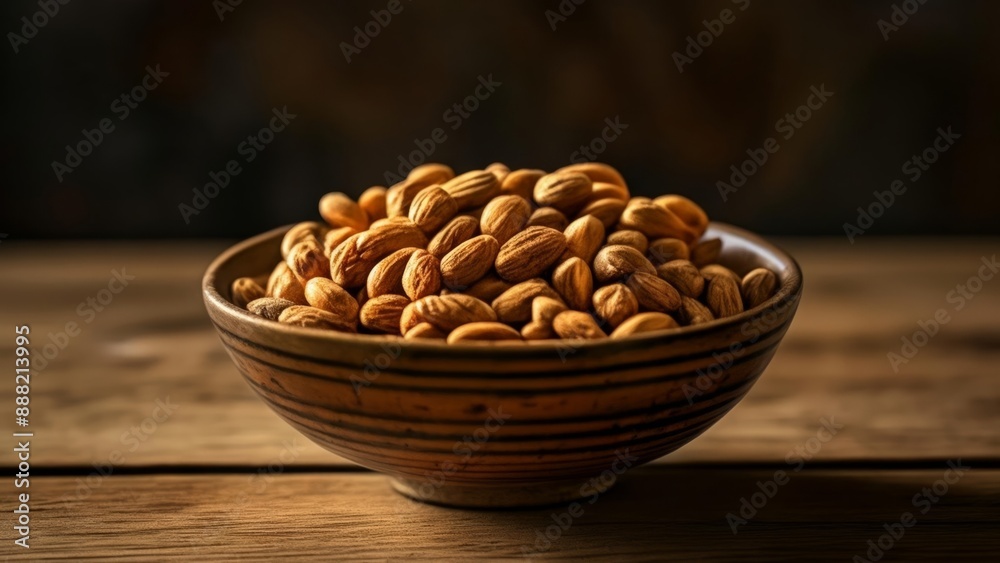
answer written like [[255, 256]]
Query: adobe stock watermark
[[31, 25], [121, 107], [373, 367], [364, 34], [922, 502], [613, 128], [454, 116], [225, 7], [590, 492], [898, 17], [88, 309], [131, 440], [248, 149], [958, 298], [796, 459], [786, 127], [913, 168], [566, 8], [697, 43]]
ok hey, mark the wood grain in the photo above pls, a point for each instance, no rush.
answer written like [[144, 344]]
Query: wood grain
[[653, 514], [153, 341]]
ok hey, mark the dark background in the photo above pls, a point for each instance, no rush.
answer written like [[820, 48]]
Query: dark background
[[607, 59]]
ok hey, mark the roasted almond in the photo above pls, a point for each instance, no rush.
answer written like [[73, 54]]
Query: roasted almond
[[666, 249], [386, 277], [548, 217], [472, 189], [758, 286], [300, 232], [311, 317], [382, 313], [683, 275], [645, 322], [597, 172], [529, 253], [324, 294], [654, 293], [245, 290], [334, 237], [713, 270], [430, 173], [424, 330], [607, 211], [655, 222], [498, 169], [422, 276], [399, 197], [285, 285], [372, 201], [723, 297], [690, 212], [269, 307], [537, 331], [432, 208], [371, 246], [614, 303], [617, 262], [628, 237], [306, 260], [584, 237], [521, 183], [483, 331], [605, 190], [469, 262], [448, 312], [514, 305], [706, 252], [566, 191], [409, 319], [692, 312], [504, 216], [341, 211], [544, 309], [457, 231], [573, 281], [576, 325], [488, 288]]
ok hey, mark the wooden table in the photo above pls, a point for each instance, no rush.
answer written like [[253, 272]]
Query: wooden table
[[221, 477]]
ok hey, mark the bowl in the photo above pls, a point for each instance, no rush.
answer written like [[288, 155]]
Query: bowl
[[502, 424]]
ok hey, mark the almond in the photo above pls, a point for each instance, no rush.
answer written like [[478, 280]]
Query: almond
[[424, 330], [723, 297], [607, 211], [655, 222], [683, 275], [409, 319], [300, 232], [448, 312], [605, 190], [714, 270], [399, 197], [431, 208], [537, 331], [372, 201], [498, 169], [529, 253], [544, 309], [306, 260], [521, 183], [666, 249], [688, 211], [269, 307], [285, 285], [597, 172], [504, 216], [614, 303], [692, 312], [654, 293], [351, 262], [635, 239], [245, 290], [706, 252], [566, 191], [573, 281], [311, 317], [491, 331], [488, 288], [469, 262], [514, 305], [382, 313], [576, 325], [422, 276], [334, 237], [341, 211], [757, 287], [386, 277], [457, 231], [584, 237], [645, 322], [430, 173], [324, 294], [548, 217], [617, 262], [472, 189]]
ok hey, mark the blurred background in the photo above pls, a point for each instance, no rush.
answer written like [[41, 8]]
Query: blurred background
[[366, 95]]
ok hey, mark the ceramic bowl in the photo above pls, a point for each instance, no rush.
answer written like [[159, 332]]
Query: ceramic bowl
[[510, 423]]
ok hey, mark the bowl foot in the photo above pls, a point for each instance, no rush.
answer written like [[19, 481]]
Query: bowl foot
[[511, 496]]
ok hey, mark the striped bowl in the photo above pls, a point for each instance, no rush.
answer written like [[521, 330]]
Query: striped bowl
[[509, 423]]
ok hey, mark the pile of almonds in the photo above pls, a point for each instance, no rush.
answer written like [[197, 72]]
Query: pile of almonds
[[497, 254]]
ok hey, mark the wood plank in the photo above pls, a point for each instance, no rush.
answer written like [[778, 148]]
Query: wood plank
[[153, 341], [653, 514]]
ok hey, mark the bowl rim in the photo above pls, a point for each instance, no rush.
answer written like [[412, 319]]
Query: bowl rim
[[789, 291]]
